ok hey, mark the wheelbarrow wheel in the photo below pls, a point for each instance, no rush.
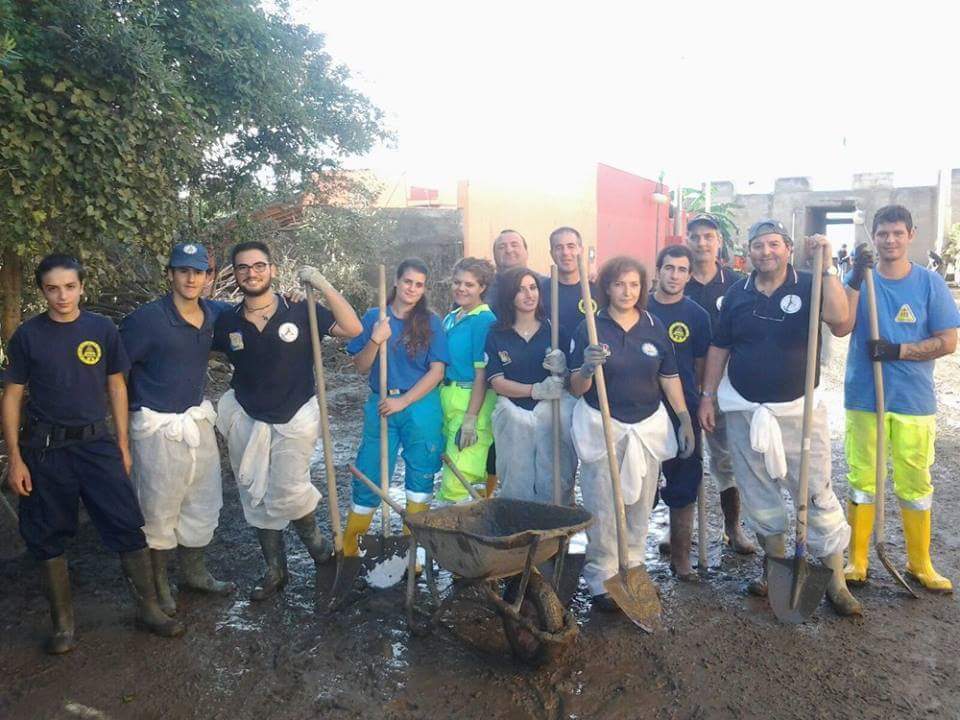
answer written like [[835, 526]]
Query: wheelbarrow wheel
[[542, 607]]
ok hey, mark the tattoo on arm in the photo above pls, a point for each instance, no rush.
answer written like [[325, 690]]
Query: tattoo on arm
[[929, 349]]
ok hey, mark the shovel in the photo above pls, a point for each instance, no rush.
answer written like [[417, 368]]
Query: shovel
[[631, 588], [347, 567], [795, 588], [385, 555], [879, 541]]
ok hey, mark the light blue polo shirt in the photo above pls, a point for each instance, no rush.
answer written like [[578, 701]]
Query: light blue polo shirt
[[466, 339], [910, 309], [403, 369]]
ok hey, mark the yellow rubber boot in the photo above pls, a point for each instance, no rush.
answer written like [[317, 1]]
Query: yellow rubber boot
[[916, 531], [860, 518], [412, 509], [491, 486], [357, 525]]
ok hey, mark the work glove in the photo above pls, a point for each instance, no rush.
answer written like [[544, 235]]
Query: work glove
[[555, 362], [686, 440], [883, 350], [549, 389], [467, 434], [311, 276], [861, 261], [593, 357]]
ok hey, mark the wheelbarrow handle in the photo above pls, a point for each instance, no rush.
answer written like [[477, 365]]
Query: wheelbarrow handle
[[383, 496], [463, 481]]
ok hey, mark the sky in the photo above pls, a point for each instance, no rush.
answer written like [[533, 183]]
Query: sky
[[741, 91]]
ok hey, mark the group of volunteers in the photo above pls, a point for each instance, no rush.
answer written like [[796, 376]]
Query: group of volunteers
[[708, 349]]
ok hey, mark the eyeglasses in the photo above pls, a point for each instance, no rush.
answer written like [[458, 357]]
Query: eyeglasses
[[257, 267]]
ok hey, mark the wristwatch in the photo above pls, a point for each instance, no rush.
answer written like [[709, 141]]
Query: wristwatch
[[832, 270], [707, 394]]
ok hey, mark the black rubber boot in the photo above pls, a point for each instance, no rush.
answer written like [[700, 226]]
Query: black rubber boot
[[317, 545], [275, 555], [730, 504], [159, 559], [137, 568], [195, 576], [681, 538], [56, 585]]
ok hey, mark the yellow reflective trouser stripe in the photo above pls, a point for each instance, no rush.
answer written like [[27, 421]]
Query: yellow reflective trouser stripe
[[910, 440]]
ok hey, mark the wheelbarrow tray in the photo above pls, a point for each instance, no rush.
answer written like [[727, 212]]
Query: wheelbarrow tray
[[490, 539]]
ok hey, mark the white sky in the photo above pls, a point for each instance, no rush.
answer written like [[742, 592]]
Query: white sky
[[745, 91]]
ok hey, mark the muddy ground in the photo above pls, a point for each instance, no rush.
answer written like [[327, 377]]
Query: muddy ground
[[722, 654]]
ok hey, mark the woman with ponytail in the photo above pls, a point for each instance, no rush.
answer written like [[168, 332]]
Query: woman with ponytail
[[416, 357]]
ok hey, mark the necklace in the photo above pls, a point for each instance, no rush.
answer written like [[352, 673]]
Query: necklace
[[264, 316], [525, 334]]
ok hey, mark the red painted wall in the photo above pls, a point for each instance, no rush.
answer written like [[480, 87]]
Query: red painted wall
[[627, 217]]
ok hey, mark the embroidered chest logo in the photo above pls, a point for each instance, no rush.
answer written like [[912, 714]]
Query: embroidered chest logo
[[678, 331], [905, 314], [593, 304], [504, 357], [89, 352], [649, 349], [288, 332], [236, 341], [791, 304]]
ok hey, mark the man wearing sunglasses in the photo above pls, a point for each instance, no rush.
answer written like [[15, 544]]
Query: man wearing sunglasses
[[762, 332], [269, 416], [176, 463]]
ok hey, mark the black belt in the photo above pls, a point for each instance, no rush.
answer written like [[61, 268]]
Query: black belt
[[39, 434]]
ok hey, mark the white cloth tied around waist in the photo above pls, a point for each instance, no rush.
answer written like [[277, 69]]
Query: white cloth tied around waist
[[179, 427], [766, 437], [653, 435], [255, 464]]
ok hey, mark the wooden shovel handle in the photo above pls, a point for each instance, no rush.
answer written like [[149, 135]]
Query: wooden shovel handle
[[881, 469], [555, 404], [384, 436]]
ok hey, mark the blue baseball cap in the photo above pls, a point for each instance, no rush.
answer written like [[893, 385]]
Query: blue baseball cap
[[704, 218], [191, 255], [767, 226]]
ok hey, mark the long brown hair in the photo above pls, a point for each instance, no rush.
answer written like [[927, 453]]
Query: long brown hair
[[508, 285], [610, 272], [416, 334]]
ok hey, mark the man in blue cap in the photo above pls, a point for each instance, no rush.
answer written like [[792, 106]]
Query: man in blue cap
[[176, 463]]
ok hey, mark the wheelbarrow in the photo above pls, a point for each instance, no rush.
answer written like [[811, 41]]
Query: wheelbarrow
[[483, 543]]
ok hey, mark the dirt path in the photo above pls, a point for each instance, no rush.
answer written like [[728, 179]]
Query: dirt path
[[723, 655]]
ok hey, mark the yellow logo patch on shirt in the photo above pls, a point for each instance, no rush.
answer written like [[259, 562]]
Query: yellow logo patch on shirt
[[504, 357], [905, 315], [593, 304], [678, 331], [89, 352]]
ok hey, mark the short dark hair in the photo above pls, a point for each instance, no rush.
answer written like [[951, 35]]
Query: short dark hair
[[58, 260], [892, 214], [515, 232], [507, 288], [249, 245], [675, 251], [613, 269], [562, 230]]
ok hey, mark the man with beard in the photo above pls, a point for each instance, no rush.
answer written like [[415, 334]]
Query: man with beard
[[269, 416]]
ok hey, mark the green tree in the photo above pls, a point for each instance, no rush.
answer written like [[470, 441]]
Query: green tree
[[694, 201]]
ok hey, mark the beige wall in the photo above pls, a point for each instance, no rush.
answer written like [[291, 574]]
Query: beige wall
[[532, 206]]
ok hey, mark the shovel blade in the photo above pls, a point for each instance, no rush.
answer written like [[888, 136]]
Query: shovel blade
[[347, 570], [881, 549], [795, 588], [384, 560], [636, 595]]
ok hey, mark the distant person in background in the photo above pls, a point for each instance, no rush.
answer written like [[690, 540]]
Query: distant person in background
[[842, 257], [937, 264]]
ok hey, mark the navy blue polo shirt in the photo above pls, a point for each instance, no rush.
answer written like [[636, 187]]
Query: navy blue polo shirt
[[514, 358], [403, 369], [65, 366], [710, 296], [767, 337], [168, 355], [571, 308], [688, 327], [639, 357], [273, 369]]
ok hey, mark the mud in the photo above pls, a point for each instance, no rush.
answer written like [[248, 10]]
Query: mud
[[721, 655]]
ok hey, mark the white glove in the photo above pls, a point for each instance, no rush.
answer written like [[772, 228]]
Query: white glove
[[467, 435], [555, 362], [548, 389], [311, 276]]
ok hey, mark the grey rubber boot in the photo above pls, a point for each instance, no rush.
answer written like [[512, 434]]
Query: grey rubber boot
[[774, 546], [195, 576], [137, 568], [681, 538], [317, 545], [730, 504], [275, 555], [837, 593], [159, 559], [56, 585]]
